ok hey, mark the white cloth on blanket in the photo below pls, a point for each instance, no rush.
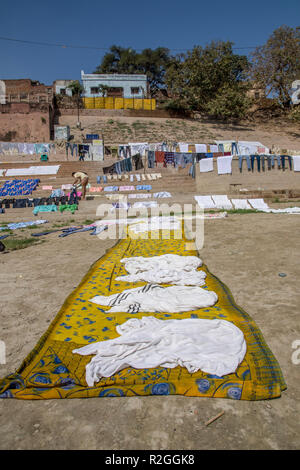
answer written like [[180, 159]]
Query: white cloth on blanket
[[164, 269], [205, 201], [221, 201], [206, 164], [240, 204], [155, 225], [155, 298], [224, 165], [213, 346]]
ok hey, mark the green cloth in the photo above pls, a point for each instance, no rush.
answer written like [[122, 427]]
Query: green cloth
[[50, 208], [68, 207]]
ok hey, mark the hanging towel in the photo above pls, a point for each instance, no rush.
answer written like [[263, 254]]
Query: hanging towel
[[296, 160], [224, 165], [201, 148], [206, 164], [184, 148]]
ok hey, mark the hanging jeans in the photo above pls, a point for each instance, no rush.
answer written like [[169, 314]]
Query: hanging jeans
[[234, 148], [252, 161], [98, 179], [241, 158], [273, 160], [282, 158], [117, 168], [262, 159], [269, 159], [151, 158], [290, 161], [73, 148]]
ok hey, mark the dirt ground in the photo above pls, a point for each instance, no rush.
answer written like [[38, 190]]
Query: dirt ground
[[247, 252], [121, 130]]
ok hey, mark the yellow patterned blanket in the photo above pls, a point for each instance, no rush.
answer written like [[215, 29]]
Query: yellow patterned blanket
[[51, 370]]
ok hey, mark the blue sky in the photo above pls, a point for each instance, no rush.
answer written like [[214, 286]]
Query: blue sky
[[132, 23]]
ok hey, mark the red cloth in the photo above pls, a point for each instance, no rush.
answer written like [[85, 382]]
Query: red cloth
[[159, 157]]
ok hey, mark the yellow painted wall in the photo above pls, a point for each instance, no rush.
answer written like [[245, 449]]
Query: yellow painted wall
[[119, 103]]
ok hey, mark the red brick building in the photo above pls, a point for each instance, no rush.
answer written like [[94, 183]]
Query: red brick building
[[27, 90]]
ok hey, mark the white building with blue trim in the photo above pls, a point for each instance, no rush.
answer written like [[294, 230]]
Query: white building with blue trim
[[118, 85]]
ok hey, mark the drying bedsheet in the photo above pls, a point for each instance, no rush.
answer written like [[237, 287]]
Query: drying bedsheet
[[54, 370], [206, 202], [222, 201], [240, 204], [33, 170]]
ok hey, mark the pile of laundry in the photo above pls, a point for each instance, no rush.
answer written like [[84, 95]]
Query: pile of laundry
[[213, 346]]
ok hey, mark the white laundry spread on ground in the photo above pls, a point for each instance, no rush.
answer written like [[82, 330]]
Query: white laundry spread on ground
[[164, 269], [147, 204], [260, 205], [162, 194], [205, 201], [33, 170], [240, 204], [155, 298], [222, 201], [214, 346], [139, 196]]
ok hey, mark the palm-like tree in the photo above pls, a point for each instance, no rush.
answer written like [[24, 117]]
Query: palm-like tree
[[77, 90]]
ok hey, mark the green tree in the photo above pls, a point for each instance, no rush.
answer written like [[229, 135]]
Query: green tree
[[276, 64], [205, 77], [77, 91]]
